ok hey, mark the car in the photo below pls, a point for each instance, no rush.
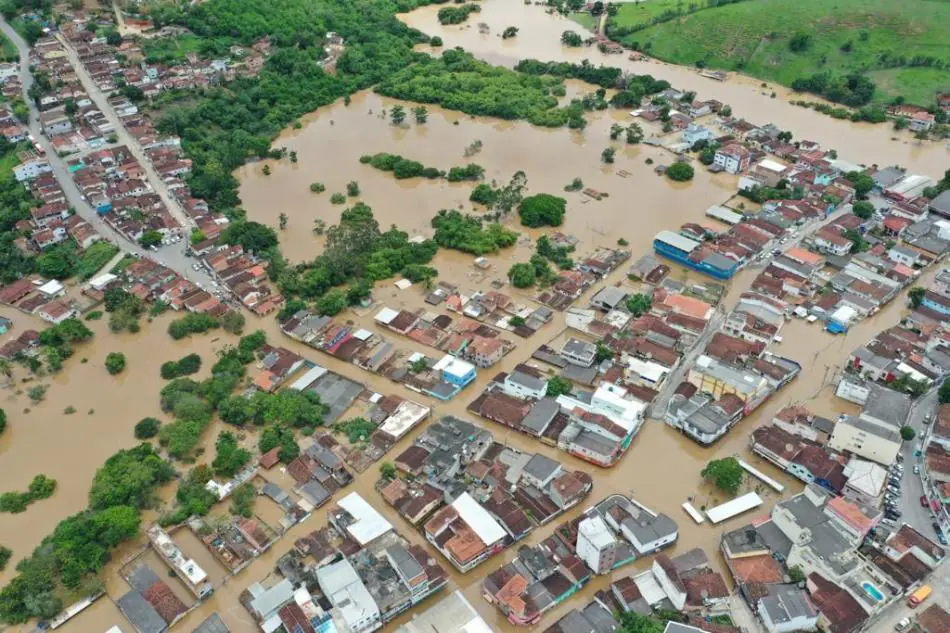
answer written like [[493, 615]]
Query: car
[[942, 539], [923, 501], [936, 527], [928, 419], [916, 469], [898, 468], [902, 625]]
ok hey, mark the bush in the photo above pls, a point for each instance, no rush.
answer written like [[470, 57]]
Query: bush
[[522, 275], [115, 362], [147, 428], [185, 366], [435, 42], [232, 321], [907, 433], [542, 209], [467, 233], [457, 15], [317, 187], [194, 323], [3, 420], [680, 172]]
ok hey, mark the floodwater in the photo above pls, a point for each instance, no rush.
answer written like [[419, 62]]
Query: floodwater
[[661, 469], [539, 38], [43, 438]]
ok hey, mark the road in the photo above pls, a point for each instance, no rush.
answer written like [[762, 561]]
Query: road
[[172, 256], [101, 101], [939, 580], [911, 487]]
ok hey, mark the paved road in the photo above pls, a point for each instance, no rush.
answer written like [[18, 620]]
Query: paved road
[[939, 581], [911, 487], [172, 256], [100, 99]]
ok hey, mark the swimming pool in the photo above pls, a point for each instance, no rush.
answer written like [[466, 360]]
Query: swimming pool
[[872, 591]]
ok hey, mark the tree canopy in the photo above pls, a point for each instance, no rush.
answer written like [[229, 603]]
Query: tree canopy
[[726, 474], [542, 209]]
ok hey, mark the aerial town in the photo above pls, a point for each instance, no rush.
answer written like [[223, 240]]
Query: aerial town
[[657, 345]]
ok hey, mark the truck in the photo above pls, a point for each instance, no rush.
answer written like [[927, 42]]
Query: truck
[[919, 596]]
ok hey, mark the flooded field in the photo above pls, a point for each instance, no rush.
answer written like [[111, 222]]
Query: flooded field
[[661, 469]]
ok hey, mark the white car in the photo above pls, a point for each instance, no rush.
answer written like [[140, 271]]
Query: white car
[[902, 625]]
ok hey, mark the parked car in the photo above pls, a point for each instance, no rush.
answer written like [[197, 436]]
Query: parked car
[[936, 527], [902, 625], [916, 469], [923, 501], [942, 539]]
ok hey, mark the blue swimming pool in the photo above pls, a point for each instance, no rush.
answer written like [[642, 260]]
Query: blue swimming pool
[[872, 591]]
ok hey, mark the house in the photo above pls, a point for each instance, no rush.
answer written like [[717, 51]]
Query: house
[[31, 169], [876, 442], [597, 545], [941, 204], [829, 240], [525, 382], [921, 122], [903, 255], [733, 158], [608, 298], [57, 311], [485, 351], [787, 608], [840, 612], [578, 352], [455, 370]]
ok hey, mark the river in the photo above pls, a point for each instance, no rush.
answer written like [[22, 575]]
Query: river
[[662, 467]]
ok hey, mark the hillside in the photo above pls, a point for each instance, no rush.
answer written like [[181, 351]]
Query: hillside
[[900, 44]]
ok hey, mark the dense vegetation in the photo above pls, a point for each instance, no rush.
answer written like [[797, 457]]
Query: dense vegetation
[[356, 253], [184, 366], [402, 168], [542, 209], [603, 76], [457, 15], [192, 323], [41, 487], [458, 81], [15, 204], [900, 47], [81, 544], [468, 234], [115, 362]]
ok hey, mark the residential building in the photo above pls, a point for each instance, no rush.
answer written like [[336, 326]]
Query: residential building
[[733, 158], [578, 352], [455, 370], [878, 443], [787, 608], [526, 383], [597, 545], [452, 614], [346, 592], [718, 379]]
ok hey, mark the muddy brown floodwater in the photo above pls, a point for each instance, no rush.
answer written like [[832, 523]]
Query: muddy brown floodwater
[[662, 467]]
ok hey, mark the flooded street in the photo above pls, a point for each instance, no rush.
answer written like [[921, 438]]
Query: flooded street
[[661, 469]]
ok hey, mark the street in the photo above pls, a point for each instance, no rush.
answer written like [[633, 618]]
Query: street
[[172, 256], [911, 487]]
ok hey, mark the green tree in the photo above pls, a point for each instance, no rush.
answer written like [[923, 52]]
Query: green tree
[[115, 362], [397, 114], [907, 433], [229, 456], [639, 304], [435, 42], [603, 352], [542, 209], [615, 131], [332, 303], [558, 386], [680, 172], [282, 221], [916, 296], [5, 554], [317, 187], [232, 321], [795, 574], [522, 275], [572, 39], [726, 474], [150, 238], [607, 155], [509, 32], [863, 209], [275, 436], [862, 183], [421, 113], [386, 471], [944, 393], [146, 428], [3, 420], [634, 134], [352, 189]]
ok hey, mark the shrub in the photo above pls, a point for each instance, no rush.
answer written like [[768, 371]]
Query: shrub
[[680, 172], [185, 366], [147, 428], [115, 362], [194, 323]]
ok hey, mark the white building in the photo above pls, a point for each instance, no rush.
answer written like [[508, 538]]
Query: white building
[[363, 523], [879, 443], [525, 386], [348, 595], [31, 169], [596, 544], [866, 481]]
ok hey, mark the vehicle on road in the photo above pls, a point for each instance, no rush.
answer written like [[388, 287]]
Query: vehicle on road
[[916, 469], [942, 539], [902, 625], [919, 596], [923, 501]]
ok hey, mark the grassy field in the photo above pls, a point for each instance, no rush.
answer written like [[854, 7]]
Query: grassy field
[[753, 36], [642, 11], [8, 51]]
